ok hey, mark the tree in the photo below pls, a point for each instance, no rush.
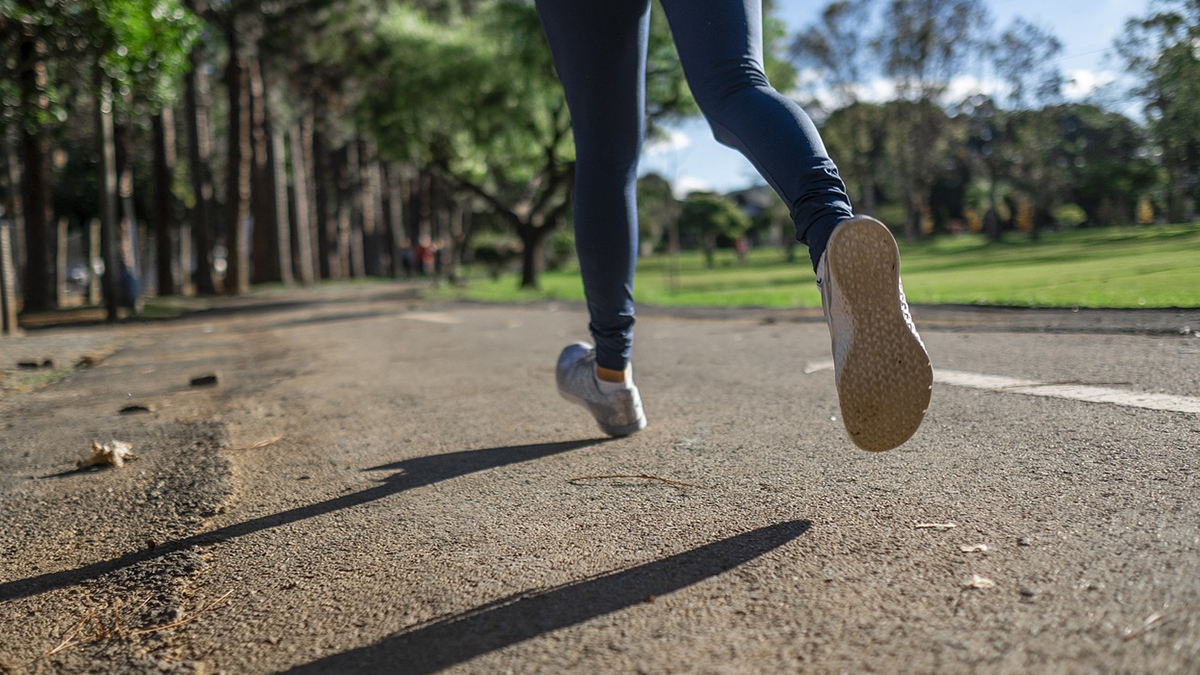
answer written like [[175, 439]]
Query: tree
[[835, 45], [1160, 51], [478, 102], [1023, 56], [924, 44], [860, 132], [708, 216], [135, 48], [657, 210]]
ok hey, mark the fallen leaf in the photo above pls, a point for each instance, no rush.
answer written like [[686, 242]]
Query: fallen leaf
[[977, 581], [977, 548], [114, 453]]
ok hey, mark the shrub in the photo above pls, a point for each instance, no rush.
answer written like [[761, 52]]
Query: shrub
[[1070, 215]]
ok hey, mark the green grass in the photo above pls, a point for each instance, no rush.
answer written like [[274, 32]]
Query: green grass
[[1156, 266]]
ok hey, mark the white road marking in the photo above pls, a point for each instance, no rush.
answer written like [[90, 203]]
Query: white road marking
[[432, 317], [1074, 392]]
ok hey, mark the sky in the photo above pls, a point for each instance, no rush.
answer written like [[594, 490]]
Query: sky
[[692, 160]]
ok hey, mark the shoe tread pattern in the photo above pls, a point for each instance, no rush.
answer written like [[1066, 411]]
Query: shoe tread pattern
[[886, 380]]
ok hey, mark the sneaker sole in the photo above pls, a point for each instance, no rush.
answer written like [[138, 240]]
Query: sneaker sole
[[626, 430], [887, 380]]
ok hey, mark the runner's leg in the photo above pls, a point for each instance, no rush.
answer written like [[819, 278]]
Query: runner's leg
[[599, 51], [720, 45]]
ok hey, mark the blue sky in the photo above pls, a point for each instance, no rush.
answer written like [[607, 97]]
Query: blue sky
[[691, 159]]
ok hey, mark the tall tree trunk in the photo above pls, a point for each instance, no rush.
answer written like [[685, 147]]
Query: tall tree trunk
[[302, 238], [199, 166], [308, 155], [164, 167], [372, 210], [269, 224], [14, 207], [95, 256], [458, 240], [61, 237], [39, 273], [8, 283], [394, 217], [531, 253], [108, 193], [426, 213], [353, 232], [342, 210], [127, 239], [283, 232], [412, 220], [237, 202], [326, 200]]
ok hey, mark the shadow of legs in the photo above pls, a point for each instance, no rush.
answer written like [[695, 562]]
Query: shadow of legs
[[411, 473], [430, 647]]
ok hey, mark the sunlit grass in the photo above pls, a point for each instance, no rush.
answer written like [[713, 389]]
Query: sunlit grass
[[1117, 267]]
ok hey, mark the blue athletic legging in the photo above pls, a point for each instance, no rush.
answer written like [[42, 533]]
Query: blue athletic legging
[[599, 49]]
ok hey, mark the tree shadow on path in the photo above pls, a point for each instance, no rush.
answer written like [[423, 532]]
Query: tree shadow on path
[[439, 644], [412, 473]]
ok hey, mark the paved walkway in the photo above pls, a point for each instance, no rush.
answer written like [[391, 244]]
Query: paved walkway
[[381, 484]]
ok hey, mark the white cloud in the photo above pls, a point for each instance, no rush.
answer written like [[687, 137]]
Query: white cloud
[[687, 184], [1081, 82], [673, 141]]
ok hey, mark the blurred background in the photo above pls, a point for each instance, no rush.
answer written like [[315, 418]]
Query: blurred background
[[1025, 155]]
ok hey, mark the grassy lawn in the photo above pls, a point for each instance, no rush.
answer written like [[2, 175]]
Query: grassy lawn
[[1157, 266]]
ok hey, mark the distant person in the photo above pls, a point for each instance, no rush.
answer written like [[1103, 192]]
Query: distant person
[[408, 259], [881, 367], [424, 256]]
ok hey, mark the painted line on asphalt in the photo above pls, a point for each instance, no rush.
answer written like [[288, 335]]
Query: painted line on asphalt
[[1070, 391]]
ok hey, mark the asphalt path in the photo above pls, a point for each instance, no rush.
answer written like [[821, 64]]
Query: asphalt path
[[380, 484]]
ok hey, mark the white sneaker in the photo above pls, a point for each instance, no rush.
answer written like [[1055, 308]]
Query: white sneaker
[[884, 379], [616, 406]]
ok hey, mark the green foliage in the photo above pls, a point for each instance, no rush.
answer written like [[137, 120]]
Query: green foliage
[[709, 215], [667, 93], [145, 51], [477, 95], [1025, 58], [774, 215], [657, 209], [494, 251], [1160, 50], [141, 45], [560, 249], [1070, 215], [924, 43]]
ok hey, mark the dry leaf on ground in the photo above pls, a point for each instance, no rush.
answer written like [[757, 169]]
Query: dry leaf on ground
[[113, 453], [977, 581]]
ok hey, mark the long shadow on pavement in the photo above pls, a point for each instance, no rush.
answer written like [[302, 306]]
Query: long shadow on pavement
[[413, 473], [439, 644]]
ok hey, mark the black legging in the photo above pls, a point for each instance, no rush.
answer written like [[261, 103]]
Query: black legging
[[599, 49]]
